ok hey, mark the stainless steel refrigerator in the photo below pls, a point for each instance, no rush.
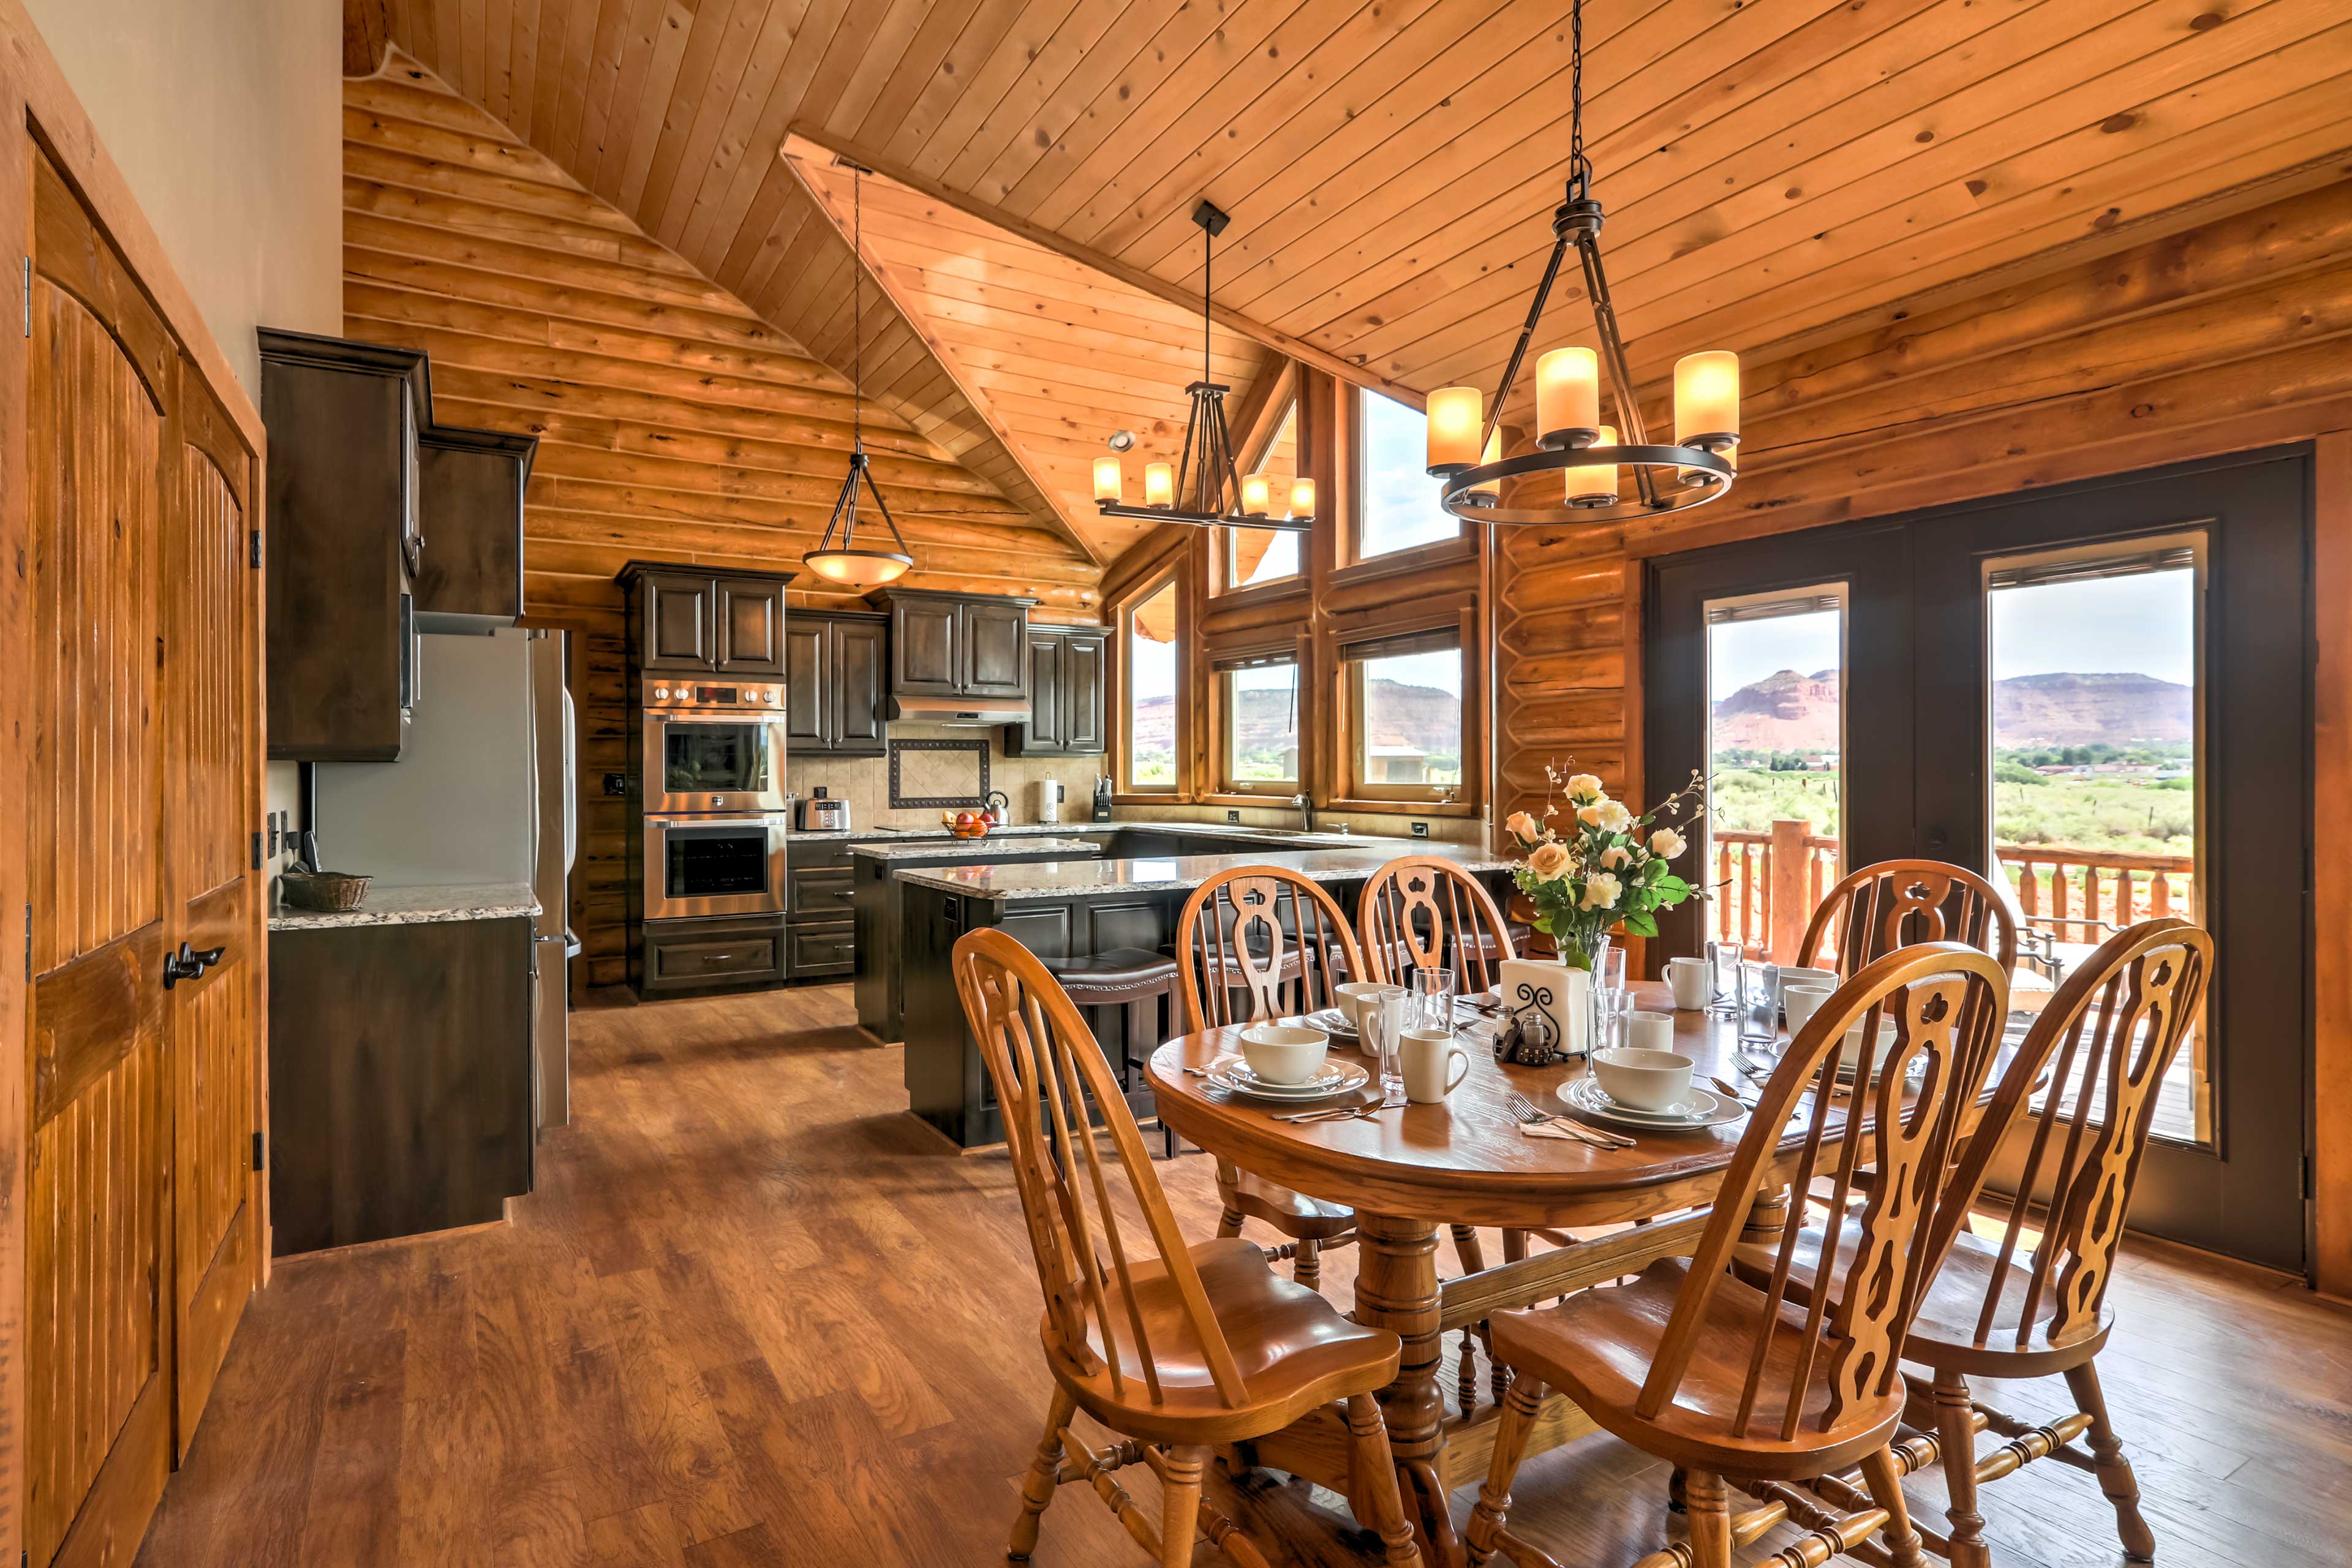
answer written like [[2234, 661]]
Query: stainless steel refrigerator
[[557, 792]]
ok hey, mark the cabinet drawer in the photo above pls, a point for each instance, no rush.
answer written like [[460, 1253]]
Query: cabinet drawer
[[823, 950], [820, 893], [680, 960]]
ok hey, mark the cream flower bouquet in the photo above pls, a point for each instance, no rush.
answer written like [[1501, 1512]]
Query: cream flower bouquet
[[1607, 871]]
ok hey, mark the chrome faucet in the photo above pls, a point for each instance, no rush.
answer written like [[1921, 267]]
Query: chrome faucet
[[1306, 812]]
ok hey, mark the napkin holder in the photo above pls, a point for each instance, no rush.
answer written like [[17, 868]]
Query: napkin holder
[[1547, 1010]]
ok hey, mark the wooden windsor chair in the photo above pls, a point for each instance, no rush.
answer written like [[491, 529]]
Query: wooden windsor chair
[[1737, 1383], [1263, 942], [1420, 912], [1895, 903], [1179, 1352], [2065, 1132]]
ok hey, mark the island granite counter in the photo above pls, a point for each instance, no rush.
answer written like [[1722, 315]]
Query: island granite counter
[[1071, 908]]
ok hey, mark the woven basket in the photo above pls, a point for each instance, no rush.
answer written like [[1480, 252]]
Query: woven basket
[[329, 893]]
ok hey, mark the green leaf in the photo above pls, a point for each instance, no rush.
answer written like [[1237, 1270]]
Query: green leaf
[[1641, 925]]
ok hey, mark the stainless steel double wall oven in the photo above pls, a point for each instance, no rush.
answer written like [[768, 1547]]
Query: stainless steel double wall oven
[[715, 811]]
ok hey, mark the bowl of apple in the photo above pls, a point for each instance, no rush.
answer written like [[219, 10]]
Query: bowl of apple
[[965, 824]]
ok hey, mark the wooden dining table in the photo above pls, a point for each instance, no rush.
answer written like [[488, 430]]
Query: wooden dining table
[[1411, 1170]]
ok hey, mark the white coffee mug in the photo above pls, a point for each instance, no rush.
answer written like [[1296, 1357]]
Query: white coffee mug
[[1649, 1031], [1353, 994], [1800, 1003], [1430, 1073], [1690, 981]]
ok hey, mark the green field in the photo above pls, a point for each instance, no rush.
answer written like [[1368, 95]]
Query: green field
[[2141, 818]]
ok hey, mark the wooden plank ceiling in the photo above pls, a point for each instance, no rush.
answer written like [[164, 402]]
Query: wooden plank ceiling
[[1775, 174]]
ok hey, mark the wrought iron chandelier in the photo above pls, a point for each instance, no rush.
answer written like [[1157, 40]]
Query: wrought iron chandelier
[[1204, 488], [848, 562], [1464, 438]]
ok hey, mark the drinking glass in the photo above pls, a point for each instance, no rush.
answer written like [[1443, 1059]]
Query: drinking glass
[[1759, 1005], [1609, 1009], [1723, 978], [1433, 994], [1609, 968], [1386, 1016]]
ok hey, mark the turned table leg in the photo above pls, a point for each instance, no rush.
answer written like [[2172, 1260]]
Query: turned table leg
[[1397, 1289]]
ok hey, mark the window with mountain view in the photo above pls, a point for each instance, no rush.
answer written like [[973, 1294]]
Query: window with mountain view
[[1259, 701], [1259, 555], [1405, 718], [1774, 663], [1397, 500], [1148, 684]]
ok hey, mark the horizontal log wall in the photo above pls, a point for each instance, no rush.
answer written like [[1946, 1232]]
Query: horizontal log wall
[[674, 423]]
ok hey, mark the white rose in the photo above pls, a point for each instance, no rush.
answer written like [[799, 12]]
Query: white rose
[[1616, 856], [1608, 815], [1584, 787], [1666, 844], [1601, 890]]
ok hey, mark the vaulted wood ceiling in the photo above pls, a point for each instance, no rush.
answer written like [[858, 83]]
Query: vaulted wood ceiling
[[1775, 174]]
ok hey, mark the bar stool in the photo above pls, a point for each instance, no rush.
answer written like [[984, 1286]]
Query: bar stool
[[1138, 983]]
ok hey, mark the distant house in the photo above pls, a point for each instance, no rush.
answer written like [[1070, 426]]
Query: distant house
[[1395, 761]]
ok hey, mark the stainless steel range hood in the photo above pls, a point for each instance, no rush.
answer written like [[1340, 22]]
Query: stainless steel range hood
[[961, 712]]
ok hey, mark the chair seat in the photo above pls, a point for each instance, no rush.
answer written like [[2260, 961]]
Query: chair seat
[[1295, 1214], [1121, 971], [1294, 1348], [1944, 1334], [1597, 1348]]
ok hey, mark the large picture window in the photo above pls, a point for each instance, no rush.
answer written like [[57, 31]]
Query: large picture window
[[1397, 500], [1255, 556], [1258, 703], [1148, 687], [1404, 699]]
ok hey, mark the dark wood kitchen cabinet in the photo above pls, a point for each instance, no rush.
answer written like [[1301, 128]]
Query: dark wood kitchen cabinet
[[1065, 695], [470, 579], [836, 683], [685, 621], [345, 542], [956, 644]]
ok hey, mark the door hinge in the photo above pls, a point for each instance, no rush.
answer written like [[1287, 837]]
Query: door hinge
[[256, 851], [260, 1160], [254, 560]]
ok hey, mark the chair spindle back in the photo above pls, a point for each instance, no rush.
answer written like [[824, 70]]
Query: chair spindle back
[[1417, 906], [1896, 903], [1945, 1000], [1050, 1072], [1265, 933], [2104, 1041]]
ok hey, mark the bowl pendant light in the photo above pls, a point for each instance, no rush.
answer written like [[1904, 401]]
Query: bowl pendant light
[[1465, 430], [847, 562], [1205, 487]]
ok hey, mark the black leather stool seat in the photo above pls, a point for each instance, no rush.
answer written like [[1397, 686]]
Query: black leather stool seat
[[1115, 975]]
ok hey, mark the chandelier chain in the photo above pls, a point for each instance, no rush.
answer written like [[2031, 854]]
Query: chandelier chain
[[857, 309], [1580, 168]]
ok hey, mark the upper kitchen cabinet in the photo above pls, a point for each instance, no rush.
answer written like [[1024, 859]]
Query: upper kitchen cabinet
[[345, 544], [471, 577], [1065, 695], [682, 620], [959, 646], [836, 683]]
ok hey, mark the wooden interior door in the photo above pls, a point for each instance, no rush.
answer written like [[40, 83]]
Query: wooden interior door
[[212, 788], [101, 470]]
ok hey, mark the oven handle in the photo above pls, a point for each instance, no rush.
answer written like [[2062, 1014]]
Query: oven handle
[[764, 716], [774, 821]]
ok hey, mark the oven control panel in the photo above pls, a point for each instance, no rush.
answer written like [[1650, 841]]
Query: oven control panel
[[703, 695]]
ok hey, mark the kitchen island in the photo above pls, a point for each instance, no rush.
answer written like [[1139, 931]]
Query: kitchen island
[[1073, 909]]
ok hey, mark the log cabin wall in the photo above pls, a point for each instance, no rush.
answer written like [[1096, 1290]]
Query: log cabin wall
[[674, 423]]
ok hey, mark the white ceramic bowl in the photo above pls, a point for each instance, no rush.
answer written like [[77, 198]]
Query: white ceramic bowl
[[1801, 1002], [1877, 1056], [1285, 1053], [1648, 1081], [1792, 975]]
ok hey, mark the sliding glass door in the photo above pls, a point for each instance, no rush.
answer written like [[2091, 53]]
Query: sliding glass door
[[2098, 695]]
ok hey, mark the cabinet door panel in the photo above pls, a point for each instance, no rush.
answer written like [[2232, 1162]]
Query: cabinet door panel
[[1082, 686], [996, 650], [930, 647], [751, 624], [676, 619], [1045, 733], [807, 675], [859, 688]]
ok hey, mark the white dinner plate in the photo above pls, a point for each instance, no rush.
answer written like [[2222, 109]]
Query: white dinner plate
[[1330, 1020], [1699, 1108], [1335, 1078]]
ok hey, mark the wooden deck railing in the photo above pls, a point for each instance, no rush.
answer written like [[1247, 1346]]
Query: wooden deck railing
[[1767, 884]]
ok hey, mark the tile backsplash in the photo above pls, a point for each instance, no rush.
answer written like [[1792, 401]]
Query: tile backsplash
[[864, 782]]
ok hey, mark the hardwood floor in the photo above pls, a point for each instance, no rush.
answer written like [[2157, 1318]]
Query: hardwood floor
[[755, 1315]]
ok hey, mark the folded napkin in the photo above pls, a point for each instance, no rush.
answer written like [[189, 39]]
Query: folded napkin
[[1550, 1130]]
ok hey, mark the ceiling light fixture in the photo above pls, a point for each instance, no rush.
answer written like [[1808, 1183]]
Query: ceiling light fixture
[[849, 563], [1205, 489], [1464, 442]]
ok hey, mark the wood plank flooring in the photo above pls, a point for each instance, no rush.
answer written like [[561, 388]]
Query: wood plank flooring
[[756, 1315]]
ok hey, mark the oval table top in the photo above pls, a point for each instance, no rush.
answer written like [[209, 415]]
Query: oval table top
[[1466, 1160]]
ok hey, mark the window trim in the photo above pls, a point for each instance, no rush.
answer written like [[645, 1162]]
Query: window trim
[[1405, 558], [1222, 665], [1124, 789], [1459, 799]]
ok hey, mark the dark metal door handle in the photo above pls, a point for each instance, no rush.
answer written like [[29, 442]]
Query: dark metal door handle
[[189, 964]]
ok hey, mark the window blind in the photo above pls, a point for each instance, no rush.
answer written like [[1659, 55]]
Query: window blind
[[1437, 639]]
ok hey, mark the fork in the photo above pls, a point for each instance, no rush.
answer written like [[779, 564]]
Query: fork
[[1526, 1111]]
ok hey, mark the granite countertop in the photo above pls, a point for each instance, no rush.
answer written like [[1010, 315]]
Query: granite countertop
[[974, 848], [1206, 830], [1063, 879], [418, 906]]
